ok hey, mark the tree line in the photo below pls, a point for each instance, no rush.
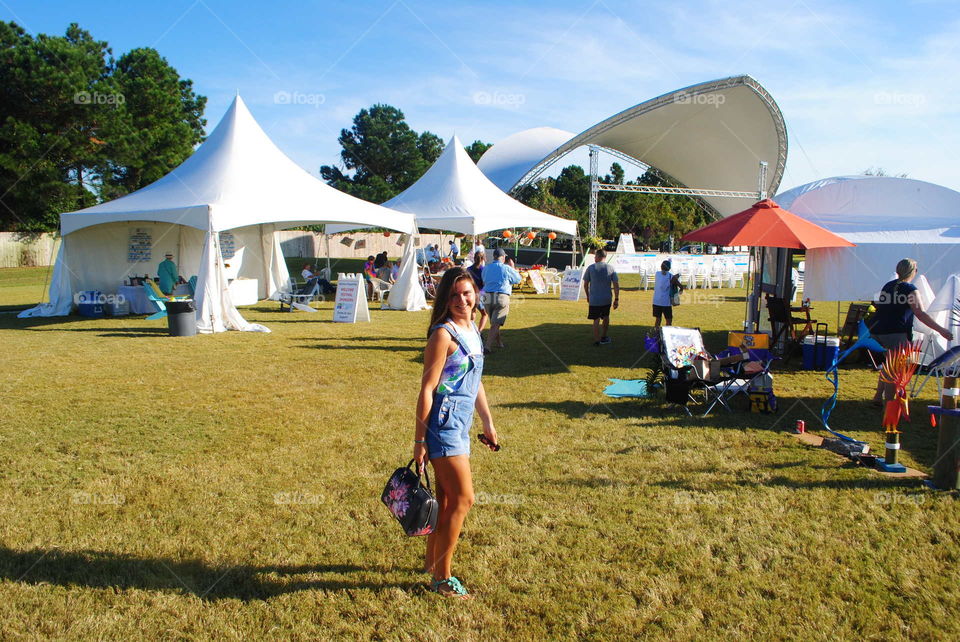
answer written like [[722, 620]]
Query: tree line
[[381, 155], [78, 126]]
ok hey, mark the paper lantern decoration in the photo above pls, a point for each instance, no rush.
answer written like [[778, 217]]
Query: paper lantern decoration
[[531, 235], [507, 234], [552, 235], [386, 234]]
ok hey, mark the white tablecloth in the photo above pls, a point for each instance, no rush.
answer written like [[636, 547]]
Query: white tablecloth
[[244, 291], [137, 296]]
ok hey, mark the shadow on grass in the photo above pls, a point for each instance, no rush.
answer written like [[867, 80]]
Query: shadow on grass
[[866, 483], [101, 569], [112, 332], [551, 348], [616, 408]]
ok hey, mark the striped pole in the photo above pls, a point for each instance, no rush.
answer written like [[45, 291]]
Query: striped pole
[[946, 468]]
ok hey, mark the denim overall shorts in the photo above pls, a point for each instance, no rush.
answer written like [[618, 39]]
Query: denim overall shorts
[[448, 427]]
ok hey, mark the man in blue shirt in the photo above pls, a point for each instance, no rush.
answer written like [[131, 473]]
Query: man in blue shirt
[[498, 279]]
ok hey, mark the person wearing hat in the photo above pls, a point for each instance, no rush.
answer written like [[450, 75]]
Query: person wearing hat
[[498, 281], [167, 271], [897, 306]]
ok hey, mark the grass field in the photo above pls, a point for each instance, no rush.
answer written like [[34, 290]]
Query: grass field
[[228, 487]]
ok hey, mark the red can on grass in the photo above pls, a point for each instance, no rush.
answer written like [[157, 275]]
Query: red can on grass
[[801, 427]]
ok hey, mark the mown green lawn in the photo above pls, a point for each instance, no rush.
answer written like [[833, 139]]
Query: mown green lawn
[[228, 487]]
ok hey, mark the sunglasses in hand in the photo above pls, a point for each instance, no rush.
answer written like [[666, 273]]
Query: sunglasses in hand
[[485, 441]]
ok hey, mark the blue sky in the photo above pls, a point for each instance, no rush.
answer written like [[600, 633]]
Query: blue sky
[[860, 84]]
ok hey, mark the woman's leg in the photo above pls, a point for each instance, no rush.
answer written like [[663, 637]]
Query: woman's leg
[[454, 480], [430, 559]]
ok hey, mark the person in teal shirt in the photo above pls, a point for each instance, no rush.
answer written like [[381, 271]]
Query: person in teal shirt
[[168, 274]]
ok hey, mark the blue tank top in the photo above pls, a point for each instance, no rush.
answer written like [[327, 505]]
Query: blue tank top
[[894, 314], [457, 364]]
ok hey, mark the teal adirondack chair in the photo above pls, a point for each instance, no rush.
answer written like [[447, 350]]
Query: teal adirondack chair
[[157, 301]]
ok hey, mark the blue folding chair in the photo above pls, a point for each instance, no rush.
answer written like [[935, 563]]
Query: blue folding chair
[[157, 301]]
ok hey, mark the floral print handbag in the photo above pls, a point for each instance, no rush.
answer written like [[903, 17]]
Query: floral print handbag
[[411, 502]]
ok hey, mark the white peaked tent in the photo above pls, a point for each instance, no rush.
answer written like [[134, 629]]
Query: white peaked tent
[[217, 213], [888, 219], [455, 196], [406, 293]]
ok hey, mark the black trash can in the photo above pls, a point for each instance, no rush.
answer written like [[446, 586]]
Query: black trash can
[[181, 318]]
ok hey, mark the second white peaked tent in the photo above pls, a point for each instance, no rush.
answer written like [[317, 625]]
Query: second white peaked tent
[[455, 196]]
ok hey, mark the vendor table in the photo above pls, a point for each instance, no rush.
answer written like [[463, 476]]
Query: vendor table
[[137, 296]]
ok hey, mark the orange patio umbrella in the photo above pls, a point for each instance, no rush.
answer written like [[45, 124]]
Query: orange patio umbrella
[[766, 224]]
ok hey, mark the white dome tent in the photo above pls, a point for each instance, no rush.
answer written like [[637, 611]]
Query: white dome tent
[[237, 188], [888, 219]]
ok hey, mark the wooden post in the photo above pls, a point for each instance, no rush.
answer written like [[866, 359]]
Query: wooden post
[[946, 468]]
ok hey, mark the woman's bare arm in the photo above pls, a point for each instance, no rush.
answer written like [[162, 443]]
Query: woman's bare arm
[[925, 318]]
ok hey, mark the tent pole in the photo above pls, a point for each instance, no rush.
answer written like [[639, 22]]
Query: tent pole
[[327, 237]]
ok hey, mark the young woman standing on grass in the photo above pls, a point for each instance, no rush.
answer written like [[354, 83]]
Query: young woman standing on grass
[[450, 389]]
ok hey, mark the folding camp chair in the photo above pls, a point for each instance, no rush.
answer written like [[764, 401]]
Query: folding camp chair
[[154, 295], [946, 365], [785, 324], [680, 348]]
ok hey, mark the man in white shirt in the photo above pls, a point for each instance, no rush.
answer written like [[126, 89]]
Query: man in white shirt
[[664, 286]]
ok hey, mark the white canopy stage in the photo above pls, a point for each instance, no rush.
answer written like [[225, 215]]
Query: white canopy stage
[[889, 219], [455, 196], [217, 213], [709, 137]]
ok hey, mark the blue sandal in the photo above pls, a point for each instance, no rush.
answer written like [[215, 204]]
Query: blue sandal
[[450, 587]]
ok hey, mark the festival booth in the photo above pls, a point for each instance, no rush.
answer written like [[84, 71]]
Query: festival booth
[[888, 219], [455, 196], [216, 213]]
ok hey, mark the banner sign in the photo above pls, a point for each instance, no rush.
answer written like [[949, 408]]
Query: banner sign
[[536, 280], [572, 285], [351, 302], [141, 244]]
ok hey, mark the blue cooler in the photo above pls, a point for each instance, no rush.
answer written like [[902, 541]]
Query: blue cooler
[[90, 303], [822, 354]]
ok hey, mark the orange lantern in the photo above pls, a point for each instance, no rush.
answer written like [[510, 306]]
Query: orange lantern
[[387, 234], [507, 234], [552, 235], [531, 235]]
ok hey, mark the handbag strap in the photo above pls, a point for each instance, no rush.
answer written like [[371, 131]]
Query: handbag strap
[[425, 476]]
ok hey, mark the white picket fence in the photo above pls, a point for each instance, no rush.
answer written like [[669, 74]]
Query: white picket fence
[[41, 250]]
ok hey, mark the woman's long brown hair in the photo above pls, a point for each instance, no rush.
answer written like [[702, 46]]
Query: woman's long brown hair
[[441, 304]]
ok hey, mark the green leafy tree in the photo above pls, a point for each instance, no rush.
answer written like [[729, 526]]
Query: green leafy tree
[[50, 113], [381, 155], [75, 124], [476, 149], [158, 122]]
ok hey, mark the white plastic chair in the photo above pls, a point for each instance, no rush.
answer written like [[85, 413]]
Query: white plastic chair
[[380, 288]]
